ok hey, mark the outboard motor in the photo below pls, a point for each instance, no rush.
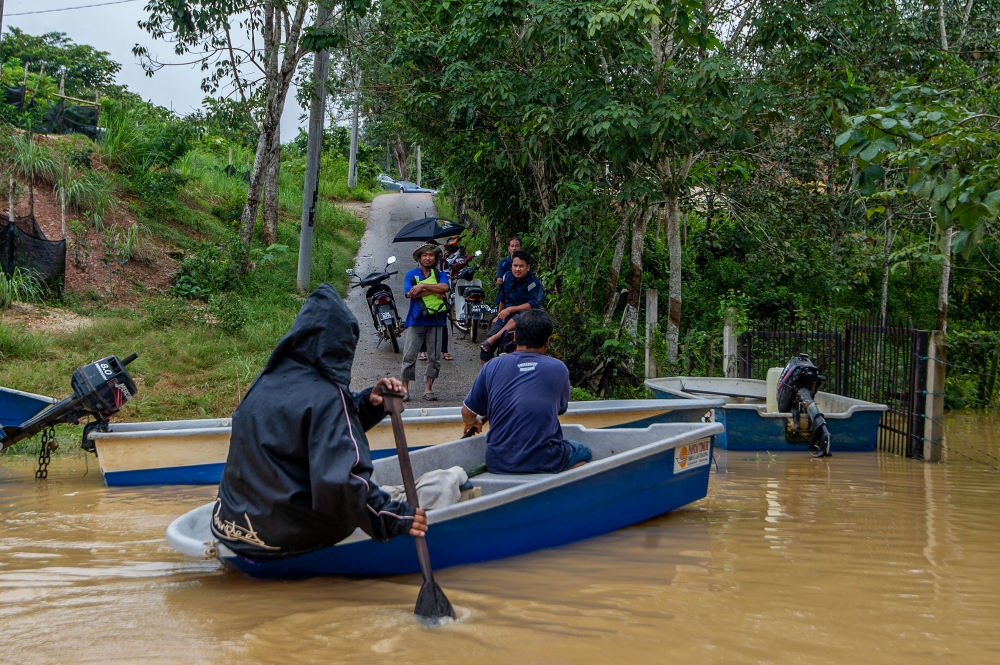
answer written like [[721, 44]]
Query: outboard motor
[[100, 389], [797, 387]]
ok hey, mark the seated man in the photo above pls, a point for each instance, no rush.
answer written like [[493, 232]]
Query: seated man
[[520, 291], [523, 394], [298, 477]]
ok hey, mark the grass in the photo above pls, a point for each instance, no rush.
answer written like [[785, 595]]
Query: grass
[[192, 364]]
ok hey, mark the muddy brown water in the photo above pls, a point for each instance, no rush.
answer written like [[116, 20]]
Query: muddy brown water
[[855, 559]]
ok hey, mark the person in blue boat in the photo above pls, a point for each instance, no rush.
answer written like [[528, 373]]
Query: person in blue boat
[[522, 394], [520, 292], [298, 476]]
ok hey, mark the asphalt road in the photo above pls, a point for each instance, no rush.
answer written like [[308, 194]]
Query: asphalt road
[[373, 361]]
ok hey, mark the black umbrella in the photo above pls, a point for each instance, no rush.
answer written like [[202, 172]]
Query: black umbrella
[[427, 229]]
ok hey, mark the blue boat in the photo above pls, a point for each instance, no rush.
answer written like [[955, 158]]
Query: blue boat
[[749, 426], [636, 474], [17, 406]]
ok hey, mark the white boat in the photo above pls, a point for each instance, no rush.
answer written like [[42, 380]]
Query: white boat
[[194, 452]]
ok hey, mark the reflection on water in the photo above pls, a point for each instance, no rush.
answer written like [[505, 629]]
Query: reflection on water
[[854, 559]]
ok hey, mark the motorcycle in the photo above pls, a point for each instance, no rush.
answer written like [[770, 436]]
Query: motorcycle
[[381, 304], [469, 310]]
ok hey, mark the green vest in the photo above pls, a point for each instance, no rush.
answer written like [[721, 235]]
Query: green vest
[[433, 303]]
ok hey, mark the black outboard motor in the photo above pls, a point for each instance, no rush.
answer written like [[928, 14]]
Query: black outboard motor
[[797, 387], [100, 389]]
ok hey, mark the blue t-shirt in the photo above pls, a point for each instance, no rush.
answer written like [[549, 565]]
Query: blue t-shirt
[[413, 316], [523, 394], [516, 291]]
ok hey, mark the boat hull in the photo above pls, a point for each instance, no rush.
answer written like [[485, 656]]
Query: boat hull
[[853, 423], [194, 452]]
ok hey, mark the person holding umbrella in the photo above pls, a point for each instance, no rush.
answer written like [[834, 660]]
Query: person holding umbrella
[[426, 287]]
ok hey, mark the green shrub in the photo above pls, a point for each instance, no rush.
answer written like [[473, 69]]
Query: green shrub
[[165, 312], [229, 310], [20, 286], [17, 343], [207, 270]]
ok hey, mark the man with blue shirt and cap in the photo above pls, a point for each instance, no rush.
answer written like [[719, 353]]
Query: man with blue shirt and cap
[[427, 289], [522, 394]]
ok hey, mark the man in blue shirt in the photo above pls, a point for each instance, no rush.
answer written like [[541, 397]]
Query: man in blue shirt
[[427, 288], [520, 291], [523, 394], [504, 267]]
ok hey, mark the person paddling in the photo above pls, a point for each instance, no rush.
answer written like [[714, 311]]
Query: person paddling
[[298, 476]]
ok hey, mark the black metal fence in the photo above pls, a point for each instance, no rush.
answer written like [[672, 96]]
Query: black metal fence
[[861, 358]]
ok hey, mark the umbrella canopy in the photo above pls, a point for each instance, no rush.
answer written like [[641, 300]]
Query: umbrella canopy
[[428, 228]]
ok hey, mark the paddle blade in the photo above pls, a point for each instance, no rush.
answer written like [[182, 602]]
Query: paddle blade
[[432, 603]]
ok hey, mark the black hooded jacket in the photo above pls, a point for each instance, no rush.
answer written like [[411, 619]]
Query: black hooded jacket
[[298, 477]]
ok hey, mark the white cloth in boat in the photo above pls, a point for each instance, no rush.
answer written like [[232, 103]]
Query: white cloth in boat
[[435, 489]]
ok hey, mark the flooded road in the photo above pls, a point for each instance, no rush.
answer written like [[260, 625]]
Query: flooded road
[[854, 559]]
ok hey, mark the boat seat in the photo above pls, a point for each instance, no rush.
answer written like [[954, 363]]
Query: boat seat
[[495, 482]]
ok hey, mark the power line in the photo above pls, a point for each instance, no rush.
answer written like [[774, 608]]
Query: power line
[[66, 9]]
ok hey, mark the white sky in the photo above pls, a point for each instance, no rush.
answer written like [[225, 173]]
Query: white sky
[[114, 29]]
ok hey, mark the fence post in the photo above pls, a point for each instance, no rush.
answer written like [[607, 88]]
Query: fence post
[[934, 403], [729, 353], [652, 317]]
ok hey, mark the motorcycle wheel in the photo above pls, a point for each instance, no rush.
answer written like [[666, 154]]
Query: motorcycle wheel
[[474, 330], [392, 338]]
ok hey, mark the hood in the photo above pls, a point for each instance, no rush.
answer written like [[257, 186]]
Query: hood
[[324, 335]]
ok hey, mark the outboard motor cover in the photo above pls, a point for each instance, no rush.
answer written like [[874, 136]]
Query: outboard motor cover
[[800, 372]]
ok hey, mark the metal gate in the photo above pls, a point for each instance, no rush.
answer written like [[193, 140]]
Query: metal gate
[[861, 359]]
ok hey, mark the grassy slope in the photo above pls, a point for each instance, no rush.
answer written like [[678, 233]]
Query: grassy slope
[[188, 368]]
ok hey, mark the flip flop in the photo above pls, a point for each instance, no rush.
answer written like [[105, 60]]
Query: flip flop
[[486, 347], [446, 356], [422, 356], [406, 397], [430, 397]]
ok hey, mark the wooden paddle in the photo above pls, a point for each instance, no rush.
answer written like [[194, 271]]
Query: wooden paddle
[[431, 601]]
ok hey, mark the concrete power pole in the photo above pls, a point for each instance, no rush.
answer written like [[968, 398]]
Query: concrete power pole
[[352, 168], [314, 148], [418, 167]]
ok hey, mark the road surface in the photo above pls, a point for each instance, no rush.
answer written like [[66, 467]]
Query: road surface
[[373, 361]]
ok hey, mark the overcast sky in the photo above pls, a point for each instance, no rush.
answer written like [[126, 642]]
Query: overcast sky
[[114, 29]]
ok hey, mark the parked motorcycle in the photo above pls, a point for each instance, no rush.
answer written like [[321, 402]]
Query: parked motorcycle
[[381, 304], [469, 310]]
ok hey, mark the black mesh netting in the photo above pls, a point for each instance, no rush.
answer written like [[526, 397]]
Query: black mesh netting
[[63, 118], [24, 246]]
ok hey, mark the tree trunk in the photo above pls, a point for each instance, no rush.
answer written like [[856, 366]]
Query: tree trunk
[[674, 247], [942, 302], [610, 299], [631, 314], [884, 303], [271, 190], [271, 118], [399, 155], [944, 33]]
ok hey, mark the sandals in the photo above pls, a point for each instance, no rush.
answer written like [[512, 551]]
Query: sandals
[[430, 397], [406, 397], [486, 347], [446, 356], [422, 356]]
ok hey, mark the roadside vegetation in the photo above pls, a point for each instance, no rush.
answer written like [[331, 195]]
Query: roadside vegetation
[[153, 254]]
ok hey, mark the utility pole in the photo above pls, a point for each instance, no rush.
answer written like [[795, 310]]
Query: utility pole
[[1, 19], [352, 167], [314, 148], [418, 167]]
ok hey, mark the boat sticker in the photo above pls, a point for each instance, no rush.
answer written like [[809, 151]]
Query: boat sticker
[[692, 455]]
